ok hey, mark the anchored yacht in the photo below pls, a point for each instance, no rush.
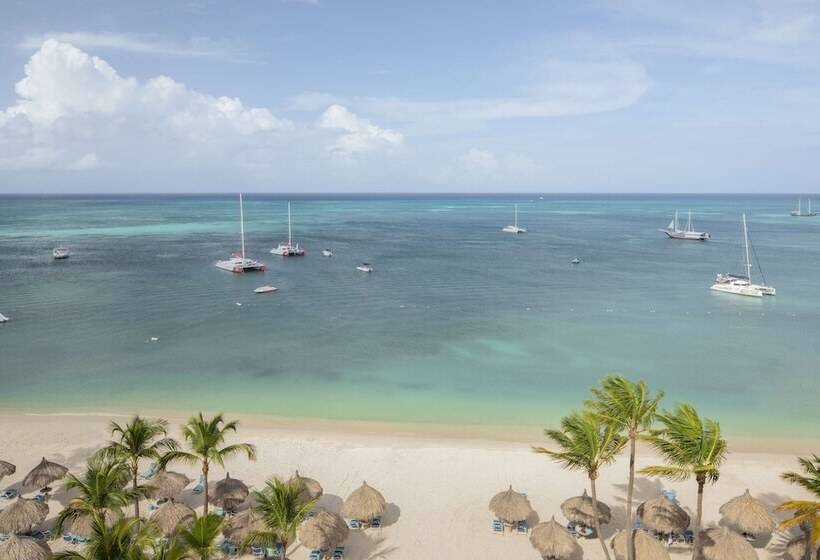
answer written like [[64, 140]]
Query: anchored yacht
[[742, 285], [287, 248], [803, 213], [674, 231], [514, 227], [239, 262]]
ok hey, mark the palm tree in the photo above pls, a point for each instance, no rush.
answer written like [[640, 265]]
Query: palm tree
[[205, 439], [140, 438], [127, 539], [102, 489], [806, 512], [632, 408], [200, 537], [282, 511], [173, 550], [691, 446], [586, 443]]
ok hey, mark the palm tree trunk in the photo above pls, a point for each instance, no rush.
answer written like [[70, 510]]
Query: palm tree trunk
[[698, 519], [630, 537], [135, 475], [809, 543], [205, 480], [595, 520], [284, 549]]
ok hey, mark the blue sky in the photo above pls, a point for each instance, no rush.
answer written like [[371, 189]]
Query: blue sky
[[479, 96]]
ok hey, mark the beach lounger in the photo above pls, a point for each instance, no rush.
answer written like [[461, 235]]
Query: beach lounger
[[315, 554], [498, 526], [354, 523], [149, 472], [229, 548], [339, 553], [376, 522], [257, 550], [4, 537], [521, 528], [9, 494], [689, 536], [44, 535], [218, 511], [200, 486], [42, 498], [274, 552]]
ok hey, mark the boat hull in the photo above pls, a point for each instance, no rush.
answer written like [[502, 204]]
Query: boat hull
[[238, 266], [736, 290], [687, 235], [513, 229]]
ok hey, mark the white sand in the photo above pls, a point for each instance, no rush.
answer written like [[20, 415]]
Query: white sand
[[437, 487]]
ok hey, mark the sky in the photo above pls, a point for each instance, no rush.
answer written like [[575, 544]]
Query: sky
[[401, 97]]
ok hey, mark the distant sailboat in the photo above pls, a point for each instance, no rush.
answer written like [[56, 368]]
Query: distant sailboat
[[239, 263], [674, 231], [288, 249], [800, 212], [742, 285], [514, 228]]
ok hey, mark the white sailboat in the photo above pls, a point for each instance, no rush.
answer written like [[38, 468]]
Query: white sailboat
[[288, 249], [514, 228], [739, 284], [674, 231], [800, 212], [239, 263]]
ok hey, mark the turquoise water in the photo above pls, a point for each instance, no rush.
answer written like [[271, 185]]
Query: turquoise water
[[459, 323]]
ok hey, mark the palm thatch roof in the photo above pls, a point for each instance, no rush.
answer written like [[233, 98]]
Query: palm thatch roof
[[553, 541], [364, 503], [6, 469], [311, 488], [663, 515], [81, 526], [24, 548], [44, 474], [745, 514], [721, 543], [796, 549], [229, 492], [242, 525], [22, 516], [646, 546], [579, 510], [166, 485], [172, 515], [323, 531], [510, 506]]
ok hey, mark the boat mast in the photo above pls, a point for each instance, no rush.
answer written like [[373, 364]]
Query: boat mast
[[289, 235], [746, 247], [676, 220], [799, 205], [689, 223], [516, 216], [242, 225]]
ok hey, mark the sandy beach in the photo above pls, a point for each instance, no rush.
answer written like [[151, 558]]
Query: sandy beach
[[437, 487]]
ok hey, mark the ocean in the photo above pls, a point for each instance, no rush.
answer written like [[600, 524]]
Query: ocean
[[458, 323]]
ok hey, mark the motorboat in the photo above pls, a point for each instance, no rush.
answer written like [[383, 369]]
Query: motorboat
[[287, 248], [265, 289], [365, 267], [60, 253], [514, 227], [576, 260], [327, 253], [3, 318], [239, 263]]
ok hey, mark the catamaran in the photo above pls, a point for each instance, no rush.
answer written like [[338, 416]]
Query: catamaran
[[742, 285], [674, 231], [240, 263], [514, 228], [803, 213], [288, 249]]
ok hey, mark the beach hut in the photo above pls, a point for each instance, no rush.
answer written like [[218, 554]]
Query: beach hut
[[579, 510], [311, 489], [6, 469], [81, 526], [242, 525], [663, 515], [646, 547], [22, 516], [229, 492], [796, 549], [721, 543], [747, 515], [165, 485], [364, 504], [553, 542], [44, 474], [510, 506], [323, 531], [24, 548], [172, 515]]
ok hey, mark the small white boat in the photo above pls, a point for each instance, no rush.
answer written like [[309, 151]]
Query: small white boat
[[803, 213], [60, 253], [240, 263], [365, 267], [576, 260], [514, 227], [287, 248], [742, 285], [265, 290], [3, 318], [673, 230], [327, 253]]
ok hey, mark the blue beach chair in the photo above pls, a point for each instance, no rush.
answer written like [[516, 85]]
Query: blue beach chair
[[377, 522], [498, 527], [9, 494], [339, 553], [229, 548], [200, 485], [521, 527], [315, 554], [354, 523], [149, 472]]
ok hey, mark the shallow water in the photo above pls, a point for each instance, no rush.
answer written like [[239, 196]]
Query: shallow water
[[459, 323]]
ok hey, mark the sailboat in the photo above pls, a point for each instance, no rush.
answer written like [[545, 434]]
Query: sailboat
[[514, 228], [674, 231], [742, 285], [800, 212], [288, 249], [240, 263]]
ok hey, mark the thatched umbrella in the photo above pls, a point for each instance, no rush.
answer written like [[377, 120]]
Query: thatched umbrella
[[166, 485], [81, 526], [24, 548], [364, 503], [6, 469], [646, 546], [510, 506], [22, 516], [241, 525], [663, 515], [311, 488], [44, 474], [796, 549], [171, 515], [721, 543], [229, 492], [323, 531], [553, 541], [579, 510], [747, 515]]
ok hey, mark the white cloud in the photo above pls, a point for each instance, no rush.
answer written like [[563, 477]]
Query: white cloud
[[482, 167], [361, 135], [85, 163], [479, 162]]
